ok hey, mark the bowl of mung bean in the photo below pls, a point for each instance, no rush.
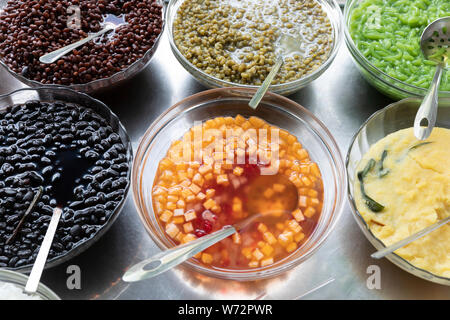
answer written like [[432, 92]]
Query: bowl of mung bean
[[234, 43], [182, 193], [383, 38]]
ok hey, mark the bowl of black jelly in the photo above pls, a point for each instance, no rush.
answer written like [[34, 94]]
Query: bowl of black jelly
[[72, 148]]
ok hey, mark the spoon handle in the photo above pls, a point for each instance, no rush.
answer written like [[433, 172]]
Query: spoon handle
[[55, 55], [428, 108], [168, 259], [383, 252], [38, 266], [265, 86]]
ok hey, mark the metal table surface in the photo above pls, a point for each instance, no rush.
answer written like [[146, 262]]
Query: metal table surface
[[342, 99]]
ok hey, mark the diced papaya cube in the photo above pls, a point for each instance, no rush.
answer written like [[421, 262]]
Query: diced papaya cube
[[188, 227], [253, 264], [306, 181], [178, 212], [267, 250], [238, 171], [195, 188], [257, 254], [236, 238], [309, 212], [269, 237], [222, 179], [178, 220], [298, 215], [285, 238], [266, 262], [239, 119], [204, 169], [188, 238], [181, 204], [315, 169], [210, 193], [262, 227], [165, 216], [190, 215], [278, 187], [268, 193], [198, 179], [303, 201], [207, 258], [291, 247], [172, 230], [201, 196], [299, 237], [294, 226], [209, 176], [302, 154], [247, 252], [171, 205], [208, 204]]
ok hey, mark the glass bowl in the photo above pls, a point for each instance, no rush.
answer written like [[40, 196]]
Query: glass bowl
[[99, 84], [333, 11], [274, 109], [396, 116], [392, 87], [20, 280], [64, 94]]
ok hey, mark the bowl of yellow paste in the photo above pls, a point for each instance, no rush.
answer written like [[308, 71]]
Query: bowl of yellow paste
[[399, 185]]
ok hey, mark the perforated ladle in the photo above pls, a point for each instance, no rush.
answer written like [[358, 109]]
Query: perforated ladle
[[435, 43]]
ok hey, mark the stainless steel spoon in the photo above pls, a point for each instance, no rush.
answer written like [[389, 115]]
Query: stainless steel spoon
[[286, 45], [168, 259], [385, 251], [435, 45], [111, 22]]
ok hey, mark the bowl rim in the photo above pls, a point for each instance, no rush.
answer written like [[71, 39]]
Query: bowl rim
[[83, 245], [259, 273], [375, 241], [43, 291], [369, 66], [91, 86], [337, 40]]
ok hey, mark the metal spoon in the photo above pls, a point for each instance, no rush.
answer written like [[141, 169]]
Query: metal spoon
[[286, 44], [111, 22], [384, 252], [434, 43], [168, 259]]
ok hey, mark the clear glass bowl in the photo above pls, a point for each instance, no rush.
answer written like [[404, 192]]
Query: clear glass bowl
[[69, 96], [99, 84], [20, 280], [276, 110], [392, 87], [333, 11], [396, 116]]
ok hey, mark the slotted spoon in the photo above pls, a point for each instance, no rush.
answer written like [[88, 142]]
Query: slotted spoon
[[435, 43]]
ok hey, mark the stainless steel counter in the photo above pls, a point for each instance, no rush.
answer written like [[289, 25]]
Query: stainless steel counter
[[342, 100]]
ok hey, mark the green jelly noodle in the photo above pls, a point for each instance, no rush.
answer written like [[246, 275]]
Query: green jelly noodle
[[387, 33]]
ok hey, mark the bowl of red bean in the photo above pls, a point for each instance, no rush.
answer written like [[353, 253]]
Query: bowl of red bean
[[211, 161], [30, 29]]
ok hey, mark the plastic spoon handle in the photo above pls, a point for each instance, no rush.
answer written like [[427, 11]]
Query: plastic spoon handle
[[38, 266], [383, 252], [428, 108], [55, 55], [265, 86], [168, 259]]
